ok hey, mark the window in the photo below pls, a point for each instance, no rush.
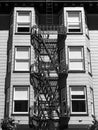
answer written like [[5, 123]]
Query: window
[[63, 102], [74, 24], [22, 58], [7, 100], [62, 61], [23, 21], [78, 100], [76, 58], [92, 101], [9, 59], [89, 61], [21, 100], [86, 27], [62, 55]]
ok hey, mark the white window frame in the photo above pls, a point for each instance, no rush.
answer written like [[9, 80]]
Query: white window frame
[[86, 27], [92, 101], [73, 29], [76, 59], [20, 99], [89, 61], [85, 99], [22, 59], [23, 24]]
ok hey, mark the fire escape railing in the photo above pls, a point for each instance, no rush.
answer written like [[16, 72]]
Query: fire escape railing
[[41, 71]]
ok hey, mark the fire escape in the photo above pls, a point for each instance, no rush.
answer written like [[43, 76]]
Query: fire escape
[[46, 72]]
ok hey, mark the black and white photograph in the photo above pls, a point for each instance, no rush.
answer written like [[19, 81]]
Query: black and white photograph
[[48, 64]]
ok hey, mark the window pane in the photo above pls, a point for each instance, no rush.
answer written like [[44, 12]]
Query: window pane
[[20, 106], [74, 21], [62, 55], [77, 90], [89, 61], [23, 17], [22, 53], [78, 106], [21, 93], [75, 53], [73, 16], [78, 96], [78, 99], [76, 65], [73, 25], [22, 65], [92, 108], [23, 29]]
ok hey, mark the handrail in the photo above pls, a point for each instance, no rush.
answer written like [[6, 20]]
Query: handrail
[[51, 29]]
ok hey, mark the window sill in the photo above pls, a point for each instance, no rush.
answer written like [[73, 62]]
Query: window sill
[[20, 114], [21, 71], [76, 71], [75, 33], [22, 33]]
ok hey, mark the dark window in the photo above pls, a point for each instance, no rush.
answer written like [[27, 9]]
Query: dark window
[[21, 100], [78, 100], [21, 106]]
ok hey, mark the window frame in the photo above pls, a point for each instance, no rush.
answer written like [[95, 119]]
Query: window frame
[[86, 101], [80, 22], [63, 101], [75, 60], [28, 24], [86, 27], [92, 101], [20, 86], [29, 59], [89, 61], [62, 55]]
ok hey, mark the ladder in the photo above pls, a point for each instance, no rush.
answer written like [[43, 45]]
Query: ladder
[[49, 12]]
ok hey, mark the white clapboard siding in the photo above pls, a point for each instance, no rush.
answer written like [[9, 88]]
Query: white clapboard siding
[[3, 65], [94, 57]]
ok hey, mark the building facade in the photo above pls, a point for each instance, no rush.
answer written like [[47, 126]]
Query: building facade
[[80, 52]]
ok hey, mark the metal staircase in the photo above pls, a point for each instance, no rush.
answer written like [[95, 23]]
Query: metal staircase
[[44, 77]]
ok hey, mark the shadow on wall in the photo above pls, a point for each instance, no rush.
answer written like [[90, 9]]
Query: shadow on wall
[[92, 21], [4, 22]]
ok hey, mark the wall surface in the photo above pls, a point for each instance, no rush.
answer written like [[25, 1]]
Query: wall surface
[[93, 31], [4, 25]]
